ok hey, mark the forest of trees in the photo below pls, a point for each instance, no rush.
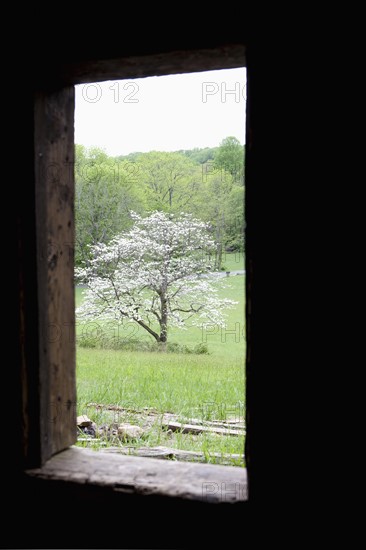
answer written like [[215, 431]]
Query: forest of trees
[[207, 183]]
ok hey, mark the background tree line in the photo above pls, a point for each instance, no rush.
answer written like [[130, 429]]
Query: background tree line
[[207, 183]]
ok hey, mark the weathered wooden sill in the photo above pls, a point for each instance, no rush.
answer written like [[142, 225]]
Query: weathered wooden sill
[[127, 474]]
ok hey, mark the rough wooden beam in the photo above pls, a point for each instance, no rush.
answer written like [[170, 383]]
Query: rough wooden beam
[[133, 474], [54, 163], [224, 57]]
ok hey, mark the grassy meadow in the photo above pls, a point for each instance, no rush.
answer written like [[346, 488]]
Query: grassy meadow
[[144, 385]]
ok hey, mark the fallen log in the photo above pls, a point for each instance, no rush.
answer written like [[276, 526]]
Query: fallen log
[[197, 429], [234, 424], [171, 417], [119, 408]]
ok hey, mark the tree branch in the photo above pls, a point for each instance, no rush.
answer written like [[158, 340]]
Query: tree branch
[[149, 330]]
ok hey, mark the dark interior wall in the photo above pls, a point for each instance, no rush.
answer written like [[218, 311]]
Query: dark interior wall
[[54, 516], [128, 522]]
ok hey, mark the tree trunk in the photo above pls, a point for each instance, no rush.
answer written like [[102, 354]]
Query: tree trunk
[[220, 234], [170, 197], [218, 250], [163, 322], [218, 256], [162, 346]]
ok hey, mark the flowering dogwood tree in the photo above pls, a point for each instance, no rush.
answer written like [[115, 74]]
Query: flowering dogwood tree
[[154, 275]]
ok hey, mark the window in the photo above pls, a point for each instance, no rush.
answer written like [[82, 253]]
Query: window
[[155, 151], [51, 427]]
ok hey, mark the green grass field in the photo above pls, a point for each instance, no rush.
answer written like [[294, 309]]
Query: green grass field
[[209, 386]]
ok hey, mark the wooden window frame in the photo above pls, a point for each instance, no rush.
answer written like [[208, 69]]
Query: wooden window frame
[[49, 387]]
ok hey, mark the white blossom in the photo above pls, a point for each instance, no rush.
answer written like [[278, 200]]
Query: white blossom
[[151, 275]]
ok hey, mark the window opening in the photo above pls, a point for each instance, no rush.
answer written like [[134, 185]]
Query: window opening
[[159, 266]]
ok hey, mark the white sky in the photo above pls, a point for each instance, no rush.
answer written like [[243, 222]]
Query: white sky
[[164, 113]]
